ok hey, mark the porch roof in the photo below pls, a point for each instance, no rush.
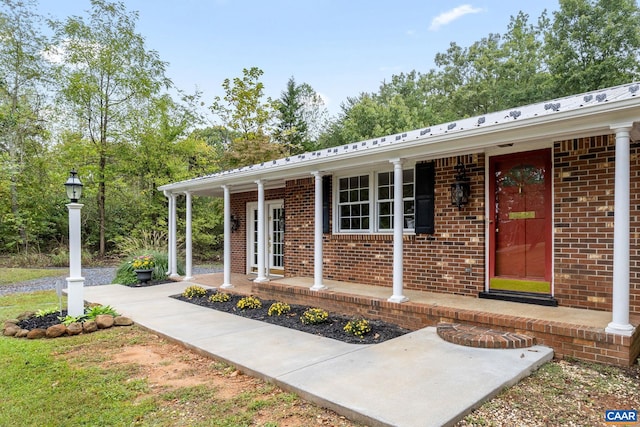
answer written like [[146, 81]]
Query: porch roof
[[574, 116]]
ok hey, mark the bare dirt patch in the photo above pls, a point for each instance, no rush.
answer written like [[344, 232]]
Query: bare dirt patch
[[194, 389]]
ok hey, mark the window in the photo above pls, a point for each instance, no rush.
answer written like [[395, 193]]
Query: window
[[357, 203], [353, 201]]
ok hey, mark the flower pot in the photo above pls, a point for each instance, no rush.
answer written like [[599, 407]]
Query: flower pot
[[144, 275]]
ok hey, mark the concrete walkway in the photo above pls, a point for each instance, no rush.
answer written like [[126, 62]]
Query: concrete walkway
[[414, 380]]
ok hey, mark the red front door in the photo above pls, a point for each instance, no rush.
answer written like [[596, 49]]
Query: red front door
[[520, 222]]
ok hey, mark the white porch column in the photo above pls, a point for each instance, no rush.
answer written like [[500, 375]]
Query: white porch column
[[317, 241], [173, 245], [226, 281], [188, 241], [169, 248], [398, 228], [620, 314], [261, 237]]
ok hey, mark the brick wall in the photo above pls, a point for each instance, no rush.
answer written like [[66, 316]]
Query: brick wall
[[451, 260], [584, 181]]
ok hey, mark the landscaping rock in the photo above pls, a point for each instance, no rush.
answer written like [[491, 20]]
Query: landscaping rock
[[122, 321], [56, 331], [89, 326], [74, 328], [25, 315], [10, 330], [36, 333], [104, 321], [22, 333]]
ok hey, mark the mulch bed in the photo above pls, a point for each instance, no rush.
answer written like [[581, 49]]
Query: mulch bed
[[42, 322], [332, 328]]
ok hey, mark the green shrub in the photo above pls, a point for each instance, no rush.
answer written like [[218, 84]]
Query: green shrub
[[249, 302], [68, 319], [358, 327], [314, 316], [219, 297], [194, 291], [125, 275], [46, 311], [93, 312], [279, 308]]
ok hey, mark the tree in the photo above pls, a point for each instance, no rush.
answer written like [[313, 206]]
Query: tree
[[22, 75], [243, 111], [593, 44], [302, 116], [105, 72]]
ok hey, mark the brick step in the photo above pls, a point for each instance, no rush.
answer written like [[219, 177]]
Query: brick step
[[479, 337]]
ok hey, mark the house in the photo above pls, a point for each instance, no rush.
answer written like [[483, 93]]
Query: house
[[516, 205]]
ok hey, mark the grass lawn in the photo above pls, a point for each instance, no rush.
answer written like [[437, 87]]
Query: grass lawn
[[15, 275], [127, 376]]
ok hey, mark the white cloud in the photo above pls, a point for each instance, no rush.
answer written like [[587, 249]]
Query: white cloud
[[453, 14]]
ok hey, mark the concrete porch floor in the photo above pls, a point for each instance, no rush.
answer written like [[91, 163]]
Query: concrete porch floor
[[571, 332], [591, 318]]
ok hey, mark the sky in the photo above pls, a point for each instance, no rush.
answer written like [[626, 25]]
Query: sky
[[340, 47]]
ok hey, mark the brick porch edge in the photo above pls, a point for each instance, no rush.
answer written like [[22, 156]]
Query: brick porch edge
[[567, 340]]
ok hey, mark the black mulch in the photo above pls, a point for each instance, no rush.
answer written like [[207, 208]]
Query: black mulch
[[332, 328], [42, 322]]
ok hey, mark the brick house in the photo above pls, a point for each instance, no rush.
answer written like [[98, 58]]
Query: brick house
[[516, 205]]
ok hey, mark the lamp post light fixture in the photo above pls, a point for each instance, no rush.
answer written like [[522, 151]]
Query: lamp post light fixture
[[74, 187], [75, 281]]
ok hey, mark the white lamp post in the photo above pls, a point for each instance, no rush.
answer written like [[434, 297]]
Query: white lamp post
[[75, 281]]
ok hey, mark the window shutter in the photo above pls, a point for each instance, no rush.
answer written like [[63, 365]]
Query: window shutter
[[326, 202], [425, 198]]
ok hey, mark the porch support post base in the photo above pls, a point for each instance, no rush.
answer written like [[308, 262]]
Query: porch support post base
[[398, 298], [318, 287], [614, 328], [260, 280], [226, 286], [187, 278]]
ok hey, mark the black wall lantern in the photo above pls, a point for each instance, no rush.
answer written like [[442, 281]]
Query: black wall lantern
[[461, 188], [235, 223]]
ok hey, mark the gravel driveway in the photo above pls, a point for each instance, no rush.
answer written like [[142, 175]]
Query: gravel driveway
[[92, 277]]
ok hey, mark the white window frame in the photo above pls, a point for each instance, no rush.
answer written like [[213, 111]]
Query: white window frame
[[373, 202]]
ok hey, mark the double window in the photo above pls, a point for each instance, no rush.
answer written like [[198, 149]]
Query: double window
[[365, 202]]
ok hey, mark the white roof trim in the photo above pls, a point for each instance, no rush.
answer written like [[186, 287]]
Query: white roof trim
[[564, 117]]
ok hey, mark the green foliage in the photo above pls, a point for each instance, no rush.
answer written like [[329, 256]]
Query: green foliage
[[220, 297], [249, 302], [96, 310], [68, 319], [46, 311], [593, 44], [126, 275], [194, 291], [105, 111], [358, 327], [301, 118], [279, 308], [314, 316], [244, 112]]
